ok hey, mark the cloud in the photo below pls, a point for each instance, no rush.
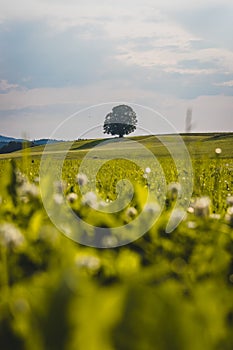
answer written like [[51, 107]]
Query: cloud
[[211, 22], [58, 56], [35, 56], [225, 83], [5, 86], [60, 8], [168, 56]]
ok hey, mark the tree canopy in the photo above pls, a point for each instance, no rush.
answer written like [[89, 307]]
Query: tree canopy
[[121, 121]]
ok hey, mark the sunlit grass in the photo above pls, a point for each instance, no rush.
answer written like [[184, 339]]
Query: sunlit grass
[[162, 291]]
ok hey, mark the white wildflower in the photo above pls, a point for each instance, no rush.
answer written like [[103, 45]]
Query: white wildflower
[[102, 204], [89, 262], [191, 224], [28, 189], [152, 208], [109, 241], [229, 215], [131, 212], [215, 216], [72, 197], [230, 201], [36, 179], [58, 198], [147, 170], [218, 151], [20, 178], [230, 211], [10, 235], [202, 206], [190, 210], [81, 180], [174, 189], [59, 186], [90, 199]]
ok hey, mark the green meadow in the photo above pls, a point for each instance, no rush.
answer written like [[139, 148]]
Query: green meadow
[[161, 291]]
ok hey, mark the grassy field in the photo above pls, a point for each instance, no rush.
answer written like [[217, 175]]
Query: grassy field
[[199, 145], [160, 290]]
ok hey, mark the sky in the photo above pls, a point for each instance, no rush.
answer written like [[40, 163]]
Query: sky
[[58, 57]]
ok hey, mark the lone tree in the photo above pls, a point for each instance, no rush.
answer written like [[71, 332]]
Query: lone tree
[[121, 121]]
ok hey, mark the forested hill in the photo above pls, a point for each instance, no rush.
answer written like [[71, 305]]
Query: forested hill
[[11, 144]]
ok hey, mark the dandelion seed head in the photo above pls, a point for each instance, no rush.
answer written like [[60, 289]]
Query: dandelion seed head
[[202, 206], [58, 198], [72, 197], [28, 189], [218, 150], [215, 216], [174, 187], [192, 225], [90, 199], [10, 235], [36, 179], [20, 178], [59, 186], [147, 170], [109, 241], [131, 212], [102, 204], [190, 210], [230, 201], [229, 216], [88, 262], [152, 208], [81, 180], [230, 211]]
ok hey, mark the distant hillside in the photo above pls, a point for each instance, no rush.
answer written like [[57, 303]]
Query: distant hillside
[[198, 145], [3, 144], [7, 139], [11, 144], [4, 140], [42, 142]]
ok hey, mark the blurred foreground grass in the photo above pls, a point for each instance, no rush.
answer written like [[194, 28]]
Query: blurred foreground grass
[[163, 291]]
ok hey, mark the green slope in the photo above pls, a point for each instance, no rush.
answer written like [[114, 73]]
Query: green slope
[[198, 144]]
